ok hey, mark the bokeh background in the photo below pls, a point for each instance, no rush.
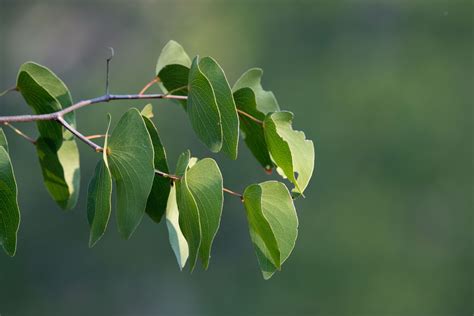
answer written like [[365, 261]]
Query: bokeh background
[[384, 88]]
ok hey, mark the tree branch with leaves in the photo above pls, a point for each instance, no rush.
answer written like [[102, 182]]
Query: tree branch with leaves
[[190, 200]]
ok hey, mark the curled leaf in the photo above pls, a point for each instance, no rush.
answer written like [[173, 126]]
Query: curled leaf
[[289, 149]]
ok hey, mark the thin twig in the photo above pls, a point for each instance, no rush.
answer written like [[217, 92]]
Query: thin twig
[[177, 178], [96, 136], [94, 146], [250, 116], [112, 53], [15, 88], [233, 193], [16, 130], [148, 85]]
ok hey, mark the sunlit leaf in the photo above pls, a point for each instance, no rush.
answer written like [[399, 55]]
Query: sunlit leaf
[[147, 111], [9, 211], [273, 224], [225, 102], [172, 54], [265, 100], [60, 170], [203, 110], [290, 150], [176, 237], [157, 200], [130, 157]]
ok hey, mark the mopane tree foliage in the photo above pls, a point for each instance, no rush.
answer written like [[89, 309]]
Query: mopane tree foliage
[[132, 159]]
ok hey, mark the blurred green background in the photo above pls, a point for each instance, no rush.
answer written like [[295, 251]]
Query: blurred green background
[[384, 88]]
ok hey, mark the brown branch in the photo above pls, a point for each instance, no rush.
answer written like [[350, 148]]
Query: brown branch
[[250, 116], [96, 136], [149, 84]]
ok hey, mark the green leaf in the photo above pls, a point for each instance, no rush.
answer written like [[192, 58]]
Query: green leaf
[[157, 200], [172, 54], [57, 150], [251, 98], [45, 93], [130, 157], [225, 102], [189, 221], [273, 224], [252, 131], [9, 211], [99, 197], [200, 201], [203, 110], [265, 100], [290, 150], [60, 170], [205, 183], [176, 237], [3, 140], [173, 70]]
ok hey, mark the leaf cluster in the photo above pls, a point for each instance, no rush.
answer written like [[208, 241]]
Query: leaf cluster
[[133, 161]]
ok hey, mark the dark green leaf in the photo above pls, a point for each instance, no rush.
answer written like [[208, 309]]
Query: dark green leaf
[[189, 221], [273, 224], [253, 131], [156, 204], [59, 160], [177, 240], [202, 109], [9, 211], [252, 99], [130, 157], [290, 150], [45, 93], [99, 197], [225, 102]]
